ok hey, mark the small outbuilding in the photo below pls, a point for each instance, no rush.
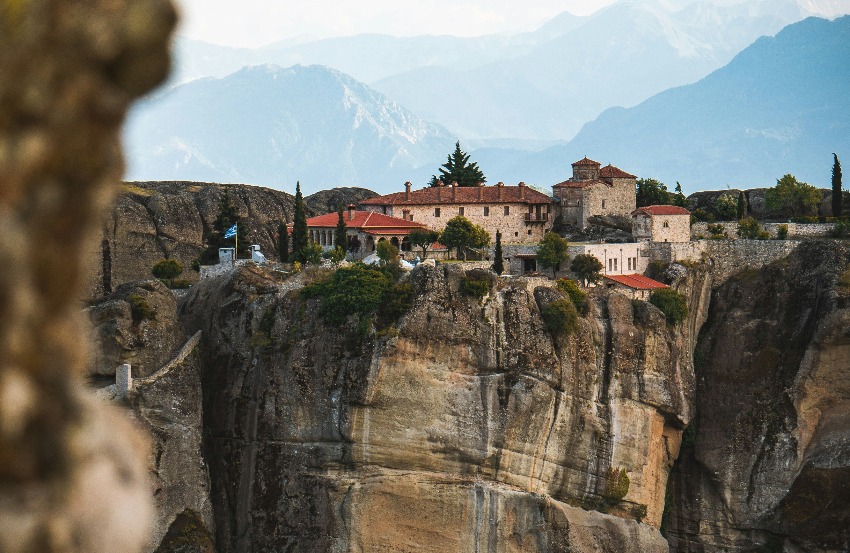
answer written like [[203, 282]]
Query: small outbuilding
[[661, 223], [635, 286]]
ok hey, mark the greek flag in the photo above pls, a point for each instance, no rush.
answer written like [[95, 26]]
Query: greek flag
[[231, 232]]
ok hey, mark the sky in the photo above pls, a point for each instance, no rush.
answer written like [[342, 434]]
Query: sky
[[252, 23]]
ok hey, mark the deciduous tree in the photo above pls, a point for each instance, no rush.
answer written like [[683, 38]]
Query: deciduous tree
[[461, 233], [651, 192], [789, 193], [167, 269], [587, 268], [423, 238], [552, 251]]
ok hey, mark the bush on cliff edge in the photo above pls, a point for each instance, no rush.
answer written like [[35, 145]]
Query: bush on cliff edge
[[671, 303]]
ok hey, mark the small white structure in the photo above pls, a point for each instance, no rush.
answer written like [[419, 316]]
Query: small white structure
[[256, 255], [226, 256], [123, 380]]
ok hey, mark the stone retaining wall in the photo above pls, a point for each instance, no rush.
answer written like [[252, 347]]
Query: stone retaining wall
[[795, 230]]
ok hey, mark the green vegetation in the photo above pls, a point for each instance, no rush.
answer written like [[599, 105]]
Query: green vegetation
[[689, 436], [300, 238], [790, 194], [312, 254], [458, 169], [679, 198], [461, 234], [639, 512], [837, 196], [717, 232], [336, 255], [424, 239], [560, 316], [140, 309], [698, 215], [782, 232], [841, 229], [167, 269], [228, 215], [742, 206], [341, 232], [844, 283], [587, 268], [387, 253], [669, 503], [282, 242], [552, 251], [750, 229], [671, 303], [572, 290], [616, 484], [475, 287], [651, 192], [499, 260], [726, 207]]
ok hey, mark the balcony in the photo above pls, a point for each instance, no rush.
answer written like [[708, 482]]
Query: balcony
[[536, 217]]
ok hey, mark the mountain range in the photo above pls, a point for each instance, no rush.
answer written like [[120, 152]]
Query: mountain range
[[270, 126], [778, 107]]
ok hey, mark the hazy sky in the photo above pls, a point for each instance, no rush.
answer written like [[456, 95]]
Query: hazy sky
[[256, 22]]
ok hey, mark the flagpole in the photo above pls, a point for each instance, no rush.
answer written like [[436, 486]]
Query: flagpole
[[236, 253]]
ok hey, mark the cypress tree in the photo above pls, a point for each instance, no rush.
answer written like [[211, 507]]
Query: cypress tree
[[341, 234], [742, 206], [283, 242], [836, 188], [300, 238], [499, 264]]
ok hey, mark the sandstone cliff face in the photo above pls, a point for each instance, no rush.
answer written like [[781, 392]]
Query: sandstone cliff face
[[145, 343], [770, 465], [151, 221], [472, 429], [327, 201]]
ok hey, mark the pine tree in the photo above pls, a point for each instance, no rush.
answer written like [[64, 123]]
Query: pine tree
[[742, 206], [836, 188], [300, 237], [458, 169], [499, 262], [283, 242], [341, 234]]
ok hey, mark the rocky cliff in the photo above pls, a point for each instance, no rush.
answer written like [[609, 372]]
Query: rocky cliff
[[327, 201], [466, 427], [151, 221], [766, 465]]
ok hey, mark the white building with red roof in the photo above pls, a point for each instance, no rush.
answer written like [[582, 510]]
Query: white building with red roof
[[364, 228], [522, 214], [661, 223], [594, 190]]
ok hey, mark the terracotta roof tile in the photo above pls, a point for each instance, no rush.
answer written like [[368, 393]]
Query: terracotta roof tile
[[362, 219], [586, 161], [661, 210], [580, 183], [637, 282], [609, 172], [465, 195]]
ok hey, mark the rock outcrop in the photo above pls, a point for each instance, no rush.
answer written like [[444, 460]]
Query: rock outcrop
[[151, 221], [327, 201], [125, 333], [768, 463], [467, 426], [756, 203]]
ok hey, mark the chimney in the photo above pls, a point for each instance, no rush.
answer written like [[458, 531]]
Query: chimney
[[521, 190], [407, 186], [351, 212], [440, 190], [480, 190], [501, 187], [454, 191]]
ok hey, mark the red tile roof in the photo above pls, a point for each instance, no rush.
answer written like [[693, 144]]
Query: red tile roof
[[362, 220], [661, 210], [609, 172], [587, 161], [580, 183], [388, 230], [638, 282], [465, 195]]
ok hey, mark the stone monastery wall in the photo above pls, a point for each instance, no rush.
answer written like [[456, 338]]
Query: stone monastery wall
[[794, 229]]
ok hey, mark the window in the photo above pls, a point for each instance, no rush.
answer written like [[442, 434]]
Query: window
[[507, 210], [436, 212], [486, 211], [460, 211], [516, 234], [610, 266], [603, 204], [406, 214], [615, 263], [411, 216], [630, 263], [529, 232], [666, 224]]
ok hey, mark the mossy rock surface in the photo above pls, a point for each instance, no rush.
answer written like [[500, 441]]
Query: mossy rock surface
[[187, 534]]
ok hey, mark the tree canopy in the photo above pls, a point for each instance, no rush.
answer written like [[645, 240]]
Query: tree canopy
[[300, 237], [671, 303], [498, 260], [228, 215], [587, 268], [458, 169], [423, 238], [552, 251], [341, 232], [726, 207], [651, 192], [837, 196], [789, 193], [461, 233], [283, 241], [167, 269], [679, 198]]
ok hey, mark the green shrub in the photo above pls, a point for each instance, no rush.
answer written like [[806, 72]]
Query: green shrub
[[399, 299], [140, 309], [717, 232], [656, 268], [474, 287], [763, 235], [167, 269], [616, 484], [782, 232], [572, 290], [671, 303], [840, 230], [699, 214], [748, 228], [560, 316], [726, 206], [844, 282], [639, 512], [181, 284], [689, 436]]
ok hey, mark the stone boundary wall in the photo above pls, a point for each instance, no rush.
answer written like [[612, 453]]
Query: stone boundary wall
[[812, 230], [726, 257], [187, 348], [469, 265]]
